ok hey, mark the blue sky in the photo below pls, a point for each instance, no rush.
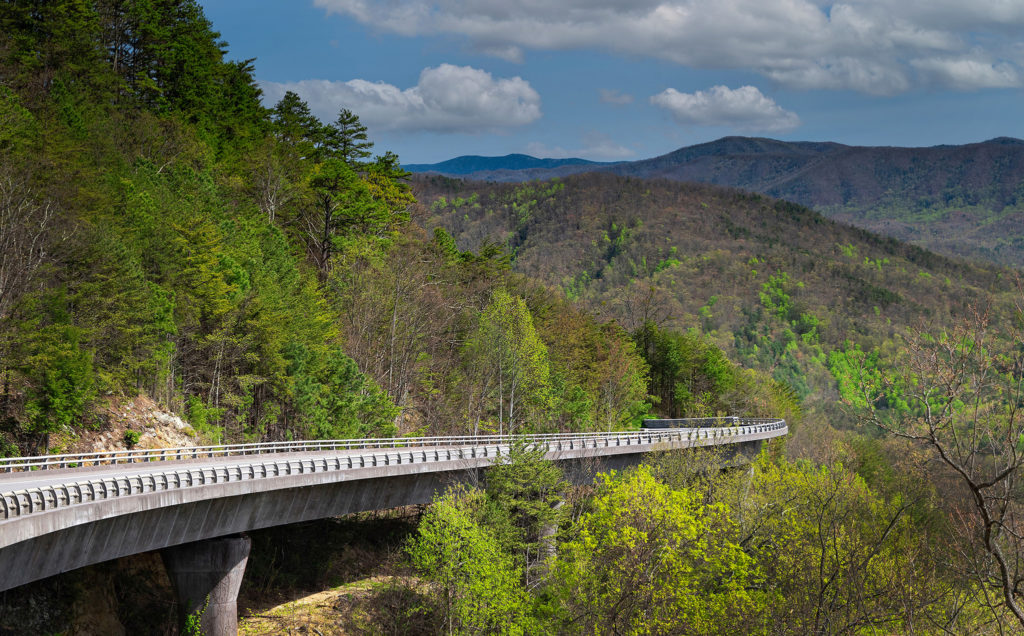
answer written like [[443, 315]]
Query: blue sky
[[630, 79]]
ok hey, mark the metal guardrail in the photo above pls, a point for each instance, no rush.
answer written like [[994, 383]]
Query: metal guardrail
[[409, 450], [78, 460]]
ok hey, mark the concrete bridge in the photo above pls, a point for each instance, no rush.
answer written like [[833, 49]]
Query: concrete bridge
[[62, 512]]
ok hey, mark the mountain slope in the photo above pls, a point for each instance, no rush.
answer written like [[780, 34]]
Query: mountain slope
[[776, 285], [959, 200]]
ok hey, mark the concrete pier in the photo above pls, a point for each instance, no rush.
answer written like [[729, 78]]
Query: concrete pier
[[206, 576]]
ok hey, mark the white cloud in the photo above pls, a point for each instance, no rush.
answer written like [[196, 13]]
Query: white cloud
[[507, 52], [446, 99], [873, 46], [596, 147], [615, 97], [744, 108], [969, 74]]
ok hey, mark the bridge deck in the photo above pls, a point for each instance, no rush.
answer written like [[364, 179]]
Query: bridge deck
[[55, 518]]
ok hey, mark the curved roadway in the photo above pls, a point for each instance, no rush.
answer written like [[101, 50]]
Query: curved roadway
[[59, 513]]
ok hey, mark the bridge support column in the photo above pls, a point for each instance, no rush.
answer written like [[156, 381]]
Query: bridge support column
[[206, 576], [751, 449], [548, 542]]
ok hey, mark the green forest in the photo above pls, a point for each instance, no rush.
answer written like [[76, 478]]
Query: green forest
[[270, 276]]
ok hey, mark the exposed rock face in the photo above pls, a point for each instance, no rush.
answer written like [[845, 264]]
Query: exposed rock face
[[157, 428]]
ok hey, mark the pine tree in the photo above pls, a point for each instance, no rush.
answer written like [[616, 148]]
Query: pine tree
[[346, 139], [295, 125]]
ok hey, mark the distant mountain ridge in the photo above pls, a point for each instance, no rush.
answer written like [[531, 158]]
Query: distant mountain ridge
[[472, 164], [963, 200]]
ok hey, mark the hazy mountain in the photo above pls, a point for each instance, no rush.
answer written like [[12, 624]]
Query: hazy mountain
[[963, 200], [472, 165]]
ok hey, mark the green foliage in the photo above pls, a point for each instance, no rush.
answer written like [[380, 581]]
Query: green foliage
[[599, 379], [522, 201], [63, 381], [833, 552], [446, 244], [513, 360], [19, 130], [780, 548], [524, 495], [791, 286], [776, 296], [646, 559], [131, 439], [295, 126], [346, 138], [336, 401], [689, 376], [478, 588], [193, 625], [204, 418], [861, 381], [414, 323], [255, 270], [385, 180], [348, 208]]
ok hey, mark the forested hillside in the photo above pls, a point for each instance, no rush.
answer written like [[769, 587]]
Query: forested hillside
[[777, 286], [252, 268], [166, 235], [963, 201], [906, 365]]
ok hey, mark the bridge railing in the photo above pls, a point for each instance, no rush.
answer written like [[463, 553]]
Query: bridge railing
[[77, 460], [70, 492]]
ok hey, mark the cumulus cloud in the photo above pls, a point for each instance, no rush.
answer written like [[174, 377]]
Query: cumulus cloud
[[744, 108], [615, 97], [596, 147], [873, 46], [965, 74], [446, 99]]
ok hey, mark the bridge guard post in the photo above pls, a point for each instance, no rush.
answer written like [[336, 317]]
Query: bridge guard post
[[208, 574]]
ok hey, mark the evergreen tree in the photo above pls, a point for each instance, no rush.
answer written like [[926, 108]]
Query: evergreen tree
[[341, 204], [295, 126], [346, 139], [385, 179]]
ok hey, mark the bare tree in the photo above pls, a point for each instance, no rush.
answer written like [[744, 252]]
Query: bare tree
[[26, 236], [271, 188], [963, 393], [26, 225], [640, 305]]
